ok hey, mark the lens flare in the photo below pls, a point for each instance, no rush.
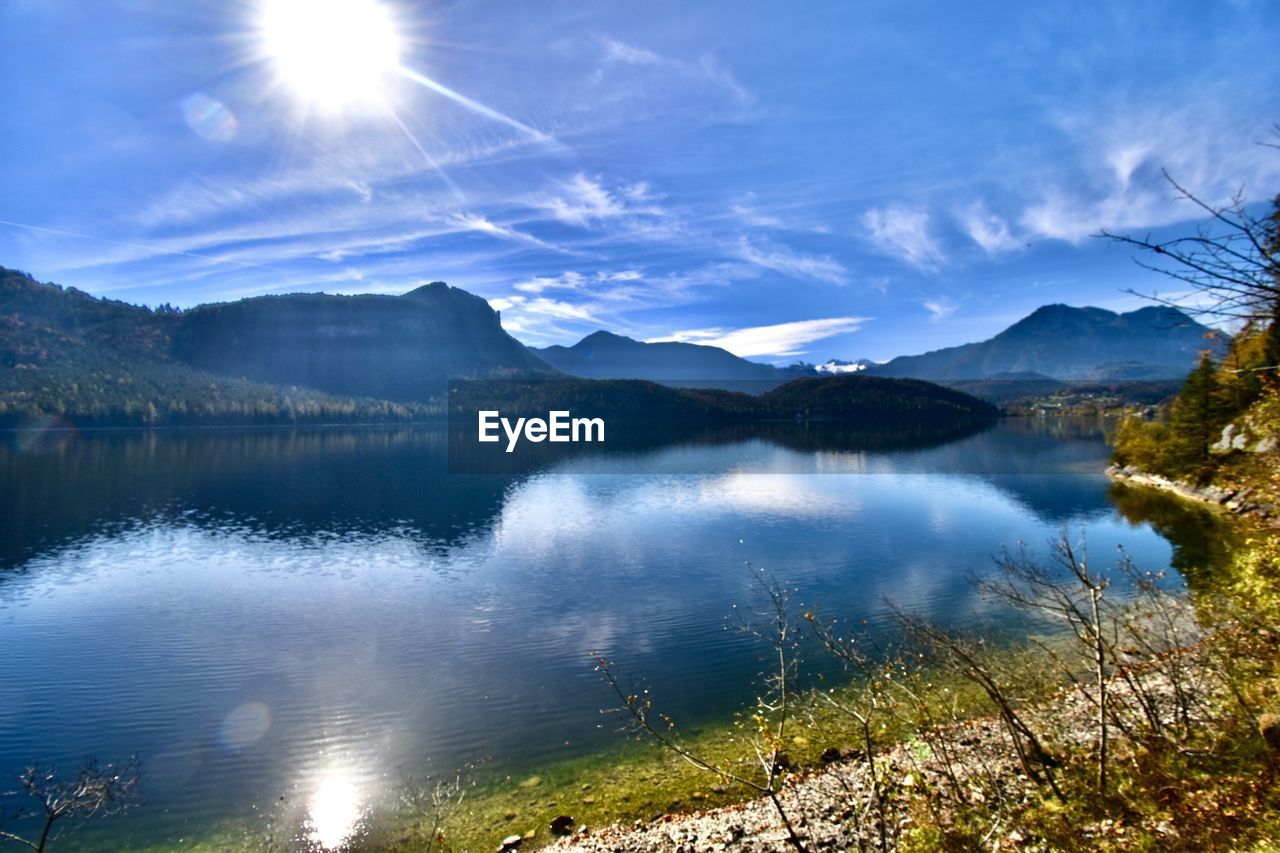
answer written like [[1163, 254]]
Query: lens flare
[[246, 725], [209, 118], [331, 53]]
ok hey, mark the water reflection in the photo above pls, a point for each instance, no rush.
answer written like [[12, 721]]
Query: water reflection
[[308, 613]]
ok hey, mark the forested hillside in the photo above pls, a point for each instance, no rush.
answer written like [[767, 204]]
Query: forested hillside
[[97, 362]]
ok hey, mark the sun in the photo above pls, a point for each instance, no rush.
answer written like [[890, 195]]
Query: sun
[[332, 54]]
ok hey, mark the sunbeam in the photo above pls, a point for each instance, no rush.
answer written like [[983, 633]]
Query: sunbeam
[[431, 161], [475, 106]]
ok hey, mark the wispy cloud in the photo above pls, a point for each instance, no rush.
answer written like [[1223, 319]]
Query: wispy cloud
[[584, 202], [903, 232], [477, 222], [782, 259], [780, 340], [572, 280], [1117, 182], [988, 230], [940, 308], [706, 69]]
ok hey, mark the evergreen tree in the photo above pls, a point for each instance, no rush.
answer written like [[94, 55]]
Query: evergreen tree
[[1195, 420]]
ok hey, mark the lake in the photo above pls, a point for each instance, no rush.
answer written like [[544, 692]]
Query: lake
[[313, 612]]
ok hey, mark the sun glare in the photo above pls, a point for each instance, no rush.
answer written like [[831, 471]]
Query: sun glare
[[331, 53], [335, 810]]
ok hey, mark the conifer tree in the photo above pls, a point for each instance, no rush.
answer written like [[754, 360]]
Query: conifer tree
[[1195, 419]]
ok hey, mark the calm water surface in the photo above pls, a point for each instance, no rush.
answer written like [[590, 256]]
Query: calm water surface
[[311, 613]]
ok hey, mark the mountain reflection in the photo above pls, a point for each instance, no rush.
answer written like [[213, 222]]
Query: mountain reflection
[[293, 483]]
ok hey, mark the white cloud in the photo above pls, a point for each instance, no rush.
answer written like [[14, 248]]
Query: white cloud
[[986, 229], [903, 232], [557, 309], [476, 222], [616, 51], [504, 303], [751, 216], [571, 280], [940, 308], [584, 201], [1116, 183], [537, 284], [621, 275], [789, 262], [781, 339]]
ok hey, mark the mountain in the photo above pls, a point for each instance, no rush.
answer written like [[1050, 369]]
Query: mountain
[[604, 355], [305, 357], [1065, 343], [835, 366], [391, 347]]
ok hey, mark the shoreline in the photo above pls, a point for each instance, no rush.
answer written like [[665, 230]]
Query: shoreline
[[835, 807], [1234, 501]]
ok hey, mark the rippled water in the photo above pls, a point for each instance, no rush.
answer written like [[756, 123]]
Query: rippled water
[[311, 613]]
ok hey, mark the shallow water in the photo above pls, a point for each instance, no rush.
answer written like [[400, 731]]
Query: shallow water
[[311, 613]]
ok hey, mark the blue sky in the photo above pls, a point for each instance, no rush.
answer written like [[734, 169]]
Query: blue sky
[[813, 180]]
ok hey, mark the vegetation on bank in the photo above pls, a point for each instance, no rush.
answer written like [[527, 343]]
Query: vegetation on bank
[[1222, 428]]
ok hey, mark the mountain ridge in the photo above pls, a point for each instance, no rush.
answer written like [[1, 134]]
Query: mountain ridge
[[607, 355], [1063, 342]]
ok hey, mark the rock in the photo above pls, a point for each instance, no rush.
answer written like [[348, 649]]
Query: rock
[[511, 842], [719, 789], [1269, 728], [830, 754], [562, 825], [530, 835], [531, 782], [781, 761]]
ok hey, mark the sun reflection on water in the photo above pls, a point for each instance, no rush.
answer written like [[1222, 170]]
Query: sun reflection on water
[[334, 811]]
